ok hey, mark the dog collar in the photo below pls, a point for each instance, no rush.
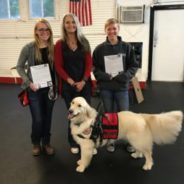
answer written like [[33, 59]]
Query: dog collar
[[78, 124], [81, 136]]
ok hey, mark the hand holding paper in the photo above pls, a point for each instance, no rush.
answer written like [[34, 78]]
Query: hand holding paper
[[41, 75], [113, 64]]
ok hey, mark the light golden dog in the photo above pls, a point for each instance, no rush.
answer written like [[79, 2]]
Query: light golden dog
[[140, 130]]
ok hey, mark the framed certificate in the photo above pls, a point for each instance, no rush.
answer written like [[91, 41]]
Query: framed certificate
[[41, 75], [113, 64]]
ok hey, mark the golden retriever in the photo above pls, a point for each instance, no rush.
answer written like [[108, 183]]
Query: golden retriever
[[140, 130]]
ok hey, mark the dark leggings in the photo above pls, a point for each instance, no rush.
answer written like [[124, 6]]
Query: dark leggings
[[68, 94]]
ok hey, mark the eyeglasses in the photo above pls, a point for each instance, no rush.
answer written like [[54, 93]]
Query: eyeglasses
[[43, 29]]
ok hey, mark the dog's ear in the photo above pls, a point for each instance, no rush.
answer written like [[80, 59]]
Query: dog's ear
[[91, 112]]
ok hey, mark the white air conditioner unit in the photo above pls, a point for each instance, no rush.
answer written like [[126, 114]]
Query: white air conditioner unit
[[131, 14]]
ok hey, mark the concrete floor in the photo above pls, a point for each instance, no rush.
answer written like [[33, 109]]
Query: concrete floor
[[18, 166]]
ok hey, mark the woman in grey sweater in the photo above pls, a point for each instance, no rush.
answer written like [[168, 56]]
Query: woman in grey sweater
[[40, 51]]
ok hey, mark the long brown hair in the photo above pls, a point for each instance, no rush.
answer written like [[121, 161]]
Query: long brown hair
[[79, 35]]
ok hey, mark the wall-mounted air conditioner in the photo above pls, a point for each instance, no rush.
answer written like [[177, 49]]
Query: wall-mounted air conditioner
[[131, 14]]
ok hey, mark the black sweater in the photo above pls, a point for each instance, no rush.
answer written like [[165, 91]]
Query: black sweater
[[121, 81]]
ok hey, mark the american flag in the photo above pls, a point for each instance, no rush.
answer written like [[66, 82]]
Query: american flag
[[82, 9]]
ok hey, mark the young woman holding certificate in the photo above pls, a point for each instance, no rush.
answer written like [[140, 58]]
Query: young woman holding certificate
[[37, 53], [73, 63], [114, 66]]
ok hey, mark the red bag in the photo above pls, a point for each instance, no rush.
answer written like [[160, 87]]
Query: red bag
[[23, 98]]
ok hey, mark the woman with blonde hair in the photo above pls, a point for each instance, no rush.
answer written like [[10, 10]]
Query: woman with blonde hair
[[40, 51], [73, 64]]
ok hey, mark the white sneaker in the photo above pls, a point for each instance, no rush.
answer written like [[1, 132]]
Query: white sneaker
[[110, 148], [130, 149], [74, 150], [95, 151]]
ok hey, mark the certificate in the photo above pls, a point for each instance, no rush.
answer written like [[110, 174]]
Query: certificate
[[114, 64], [41, 75]]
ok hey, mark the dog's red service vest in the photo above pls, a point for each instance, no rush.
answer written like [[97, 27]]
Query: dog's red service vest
[[110, 126]]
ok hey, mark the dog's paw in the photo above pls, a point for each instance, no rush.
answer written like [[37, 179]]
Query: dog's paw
[[79, 162], [147, 167], [80, 168], [137, 155]]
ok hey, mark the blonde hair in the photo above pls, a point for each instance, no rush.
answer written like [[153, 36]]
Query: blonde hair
[[111, 21], [38, 56], [79, 35]]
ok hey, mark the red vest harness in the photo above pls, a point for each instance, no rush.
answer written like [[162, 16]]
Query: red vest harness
[[105, 127], [110, 126]]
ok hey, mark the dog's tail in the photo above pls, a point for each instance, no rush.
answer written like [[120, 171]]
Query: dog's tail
[[165, 127]]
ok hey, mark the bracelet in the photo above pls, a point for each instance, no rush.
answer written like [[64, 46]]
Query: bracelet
[[84, 82]]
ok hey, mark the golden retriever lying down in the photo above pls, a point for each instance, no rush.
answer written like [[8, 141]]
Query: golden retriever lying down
[[140, 130]]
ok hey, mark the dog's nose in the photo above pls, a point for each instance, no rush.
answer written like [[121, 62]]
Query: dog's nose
[[70, 111]]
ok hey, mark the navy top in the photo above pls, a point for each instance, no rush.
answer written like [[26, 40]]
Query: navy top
[[74, 63]]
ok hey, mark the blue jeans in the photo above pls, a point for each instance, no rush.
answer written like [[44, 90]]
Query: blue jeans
[[115, 101], [41, 108]]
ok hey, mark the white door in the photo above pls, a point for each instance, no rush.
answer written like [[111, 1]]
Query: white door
[[168, 46]]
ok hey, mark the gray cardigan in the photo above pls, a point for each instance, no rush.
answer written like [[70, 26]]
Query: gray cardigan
[[26, 59]]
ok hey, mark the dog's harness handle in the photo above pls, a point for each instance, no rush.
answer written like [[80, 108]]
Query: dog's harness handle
[[97, 130]]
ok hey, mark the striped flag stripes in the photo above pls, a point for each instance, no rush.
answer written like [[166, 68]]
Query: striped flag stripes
[[82, 9]]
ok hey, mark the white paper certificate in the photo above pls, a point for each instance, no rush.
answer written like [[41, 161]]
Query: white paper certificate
[[41, 75], [113, 64]]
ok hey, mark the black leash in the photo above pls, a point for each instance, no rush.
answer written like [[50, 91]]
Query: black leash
[[97, 130]]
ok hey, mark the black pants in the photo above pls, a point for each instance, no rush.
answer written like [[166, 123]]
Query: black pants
[[68, 94]]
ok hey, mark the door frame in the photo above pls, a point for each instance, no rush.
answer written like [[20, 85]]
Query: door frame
[[152, 16]]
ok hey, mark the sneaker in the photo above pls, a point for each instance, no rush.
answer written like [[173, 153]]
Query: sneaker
[[130, 149], [110, 148], [95, 151], [74, 150], [48, 149], [36, 150]]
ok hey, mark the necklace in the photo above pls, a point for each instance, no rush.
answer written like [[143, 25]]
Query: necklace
[[72, 45]]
